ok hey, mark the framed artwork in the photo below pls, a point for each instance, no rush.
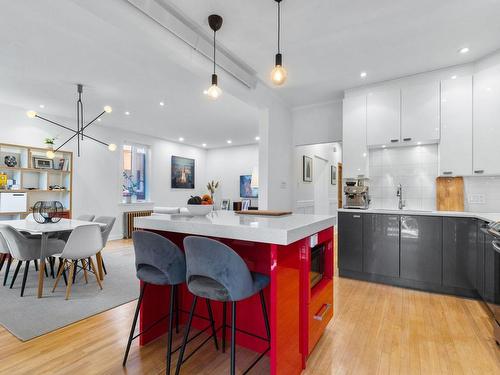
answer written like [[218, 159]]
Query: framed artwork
[[225, 204], [307, 169], [182, 173], [43, 163], [333, 175], [245, 204], [246, 189]]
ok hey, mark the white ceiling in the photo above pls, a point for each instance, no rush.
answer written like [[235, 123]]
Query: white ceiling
[[46, 47], [327, 43]]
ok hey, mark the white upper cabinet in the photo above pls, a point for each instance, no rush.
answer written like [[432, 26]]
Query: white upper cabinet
[[383, 117], [420, 113], [486, 159], [455, 149], [354, 151]]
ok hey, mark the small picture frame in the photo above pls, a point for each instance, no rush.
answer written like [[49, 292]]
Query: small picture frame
[[43, 163], [60, 166], [333, 175], [245, 204], [307, 169], [225, 204]]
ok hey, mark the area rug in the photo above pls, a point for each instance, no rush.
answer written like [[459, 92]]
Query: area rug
[[28, 317]]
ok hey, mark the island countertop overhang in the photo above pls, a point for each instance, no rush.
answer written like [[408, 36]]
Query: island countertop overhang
[[281, 230]]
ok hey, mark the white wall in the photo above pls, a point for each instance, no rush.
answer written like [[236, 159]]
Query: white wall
[[318, 123], [97, 173], [304, 191], [226, 165]]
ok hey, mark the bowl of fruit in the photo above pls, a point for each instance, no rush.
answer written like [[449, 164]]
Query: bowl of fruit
[[200, 206]]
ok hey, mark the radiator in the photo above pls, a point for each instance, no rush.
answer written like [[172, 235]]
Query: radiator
[[129, 220]]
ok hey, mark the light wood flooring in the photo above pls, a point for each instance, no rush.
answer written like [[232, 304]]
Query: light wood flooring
[[377, 329]]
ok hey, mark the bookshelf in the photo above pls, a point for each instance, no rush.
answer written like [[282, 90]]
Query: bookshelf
[[36, 179]]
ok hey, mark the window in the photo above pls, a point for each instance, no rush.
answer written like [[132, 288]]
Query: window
[[134, 175]]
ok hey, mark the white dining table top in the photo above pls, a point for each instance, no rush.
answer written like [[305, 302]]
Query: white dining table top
[[64, 225]]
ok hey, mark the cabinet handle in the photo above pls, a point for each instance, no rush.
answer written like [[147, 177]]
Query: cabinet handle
[[394, 140], [447, 172], [322, 312], [479, 171], [406, 139]]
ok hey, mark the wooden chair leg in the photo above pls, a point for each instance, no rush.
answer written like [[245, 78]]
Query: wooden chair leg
[[95, 273], [62, 264], [70, 279], [84, 266], [98, 258]]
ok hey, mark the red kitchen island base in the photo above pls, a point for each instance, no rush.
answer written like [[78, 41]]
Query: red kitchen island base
[[298, 314]]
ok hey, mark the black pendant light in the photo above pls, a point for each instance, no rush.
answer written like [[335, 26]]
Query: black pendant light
[[278, 74], [214, 91], [80, 125]]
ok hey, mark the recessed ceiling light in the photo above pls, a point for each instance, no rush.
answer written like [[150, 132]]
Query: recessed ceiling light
[[229, 141], [362, 74], [257, 138], [42, 105], [204, 144], [419, 143], [453, 77], [162, 103], [127, 113], [463, 50], [181, 139], [384, 146], [99, 120]]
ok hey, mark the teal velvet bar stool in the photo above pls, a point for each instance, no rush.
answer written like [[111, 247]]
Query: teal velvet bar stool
[[215, 271]]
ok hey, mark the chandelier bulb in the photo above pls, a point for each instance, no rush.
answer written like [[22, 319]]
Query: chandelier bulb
[[31, 114]]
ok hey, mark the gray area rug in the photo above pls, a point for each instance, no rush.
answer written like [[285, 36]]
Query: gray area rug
[[29, 317]]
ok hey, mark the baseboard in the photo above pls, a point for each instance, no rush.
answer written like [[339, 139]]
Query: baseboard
[[113, 237]]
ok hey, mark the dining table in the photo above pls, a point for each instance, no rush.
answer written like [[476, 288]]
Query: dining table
[[45, 230]]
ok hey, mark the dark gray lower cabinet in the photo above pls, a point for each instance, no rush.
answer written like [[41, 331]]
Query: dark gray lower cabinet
[[459, 252], [481, 240], [381, 244], [421, 248], [350, 227]]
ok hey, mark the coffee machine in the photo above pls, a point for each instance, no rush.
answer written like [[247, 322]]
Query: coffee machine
[[356, 194]]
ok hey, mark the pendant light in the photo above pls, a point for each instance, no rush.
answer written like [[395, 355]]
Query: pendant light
[[278, 74], [214, 91]]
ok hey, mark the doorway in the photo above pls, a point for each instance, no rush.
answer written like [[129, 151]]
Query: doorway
[[321, 181]]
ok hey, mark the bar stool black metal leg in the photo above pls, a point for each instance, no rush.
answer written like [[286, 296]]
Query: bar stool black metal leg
[[170, 328], [26, 269], [212, 323], [132, 330], [186, 335], [7, 269], [224, 325], [233, 338], [264, 312], [19, 263]]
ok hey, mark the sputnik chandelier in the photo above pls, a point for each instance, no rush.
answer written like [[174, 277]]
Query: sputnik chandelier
[[80, 125]]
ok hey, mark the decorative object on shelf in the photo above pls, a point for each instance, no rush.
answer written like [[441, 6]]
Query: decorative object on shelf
[[43, 163], [62, 165], [10, 161], [225, 205], [57, 188], [246, 189], [45, 212], [182, 173], [212, 187], [245, 204], [333, 175], [130, 188], [3, 180], [214, 91], [80, 125], [278, 74], [307, 168]]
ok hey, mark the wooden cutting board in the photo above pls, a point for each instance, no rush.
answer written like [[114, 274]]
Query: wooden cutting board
[[450, 193], [263, 213]]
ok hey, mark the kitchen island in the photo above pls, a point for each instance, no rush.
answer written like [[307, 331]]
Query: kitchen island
[[279, 247]]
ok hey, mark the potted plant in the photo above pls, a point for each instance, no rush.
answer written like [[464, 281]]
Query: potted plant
[[212, 186], [50, 142], [130, 188]]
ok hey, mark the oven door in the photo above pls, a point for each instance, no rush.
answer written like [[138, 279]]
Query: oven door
[[317, 264]]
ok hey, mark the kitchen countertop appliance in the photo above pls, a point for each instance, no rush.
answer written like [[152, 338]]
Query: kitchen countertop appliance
[[356, 194], [491, 294]]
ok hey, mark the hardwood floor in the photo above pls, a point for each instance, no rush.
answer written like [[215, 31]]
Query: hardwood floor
[[377, 329]]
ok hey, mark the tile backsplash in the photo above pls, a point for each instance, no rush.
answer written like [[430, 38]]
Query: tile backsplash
[[482, 194], [415, 168]]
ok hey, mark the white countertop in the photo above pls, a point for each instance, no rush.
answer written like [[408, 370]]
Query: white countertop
[[486, 216], [280, 230]]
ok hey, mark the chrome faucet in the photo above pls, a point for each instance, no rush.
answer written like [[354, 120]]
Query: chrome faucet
[[399, 193]]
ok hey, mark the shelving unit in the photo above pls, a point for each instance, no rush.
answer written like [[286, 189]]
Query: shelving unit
[[35, 182]]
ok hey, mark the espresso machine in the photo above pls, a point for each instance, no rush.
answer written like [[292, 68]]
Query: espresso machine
[[356, 194]]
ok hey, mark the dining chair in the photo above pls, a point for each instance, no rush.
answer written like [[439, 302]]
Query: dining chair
[[83, 243], [105, 231], [4, 256], [25, 249]]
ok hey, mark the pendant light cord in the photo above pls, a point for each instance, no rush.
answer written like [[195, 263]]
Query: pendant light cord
[[214, 51], [279, 26]]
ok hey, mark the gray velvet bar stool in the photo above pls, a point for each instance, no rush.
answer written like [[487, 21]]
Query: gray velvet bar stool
[[215, 271], [159, 261]]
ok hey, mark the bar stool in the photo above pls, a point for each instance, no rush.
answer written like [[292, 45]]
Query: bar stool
[[159, 261], [217, 272]]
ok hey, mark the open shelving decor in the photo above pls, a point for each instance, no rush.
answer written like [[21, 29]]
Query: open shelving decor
[[24, 177]]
